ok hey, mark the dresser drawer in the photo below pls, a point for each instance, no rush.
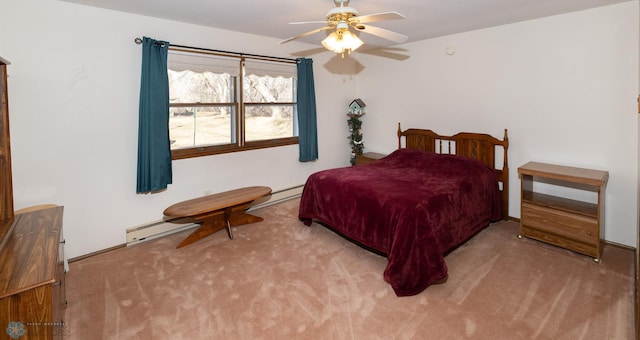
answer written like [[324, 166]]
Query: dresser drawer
[[565, 224]]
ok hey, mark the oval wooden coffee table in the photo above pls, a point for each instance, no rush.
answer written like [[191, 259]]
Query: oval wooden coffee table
[[217, 211]]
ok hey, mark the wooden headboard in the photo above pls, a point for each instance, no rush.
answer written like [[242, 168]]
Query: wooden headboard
[[479, 146]]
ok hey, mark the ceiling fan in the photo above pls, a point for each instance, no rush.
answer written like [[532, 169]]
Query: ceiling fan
[[343, 17]]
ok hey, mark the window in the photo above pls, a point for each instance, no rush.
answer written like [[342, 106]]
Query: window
[[220, 103]]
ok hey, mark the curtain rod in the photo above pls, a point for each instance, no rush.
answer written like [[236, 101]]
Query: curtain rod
[[139, 42]]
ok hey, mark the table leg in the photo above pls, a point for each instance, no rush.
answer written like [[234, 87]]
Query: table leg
[[207, 228], [227, 217], [221, 219]]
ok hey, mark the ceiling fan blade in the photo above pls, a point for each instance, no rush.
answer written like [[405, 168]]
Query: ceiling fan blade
[[309, 52], [377, 17], [382, 33], [387, 52], [306, 34], [308, 22]]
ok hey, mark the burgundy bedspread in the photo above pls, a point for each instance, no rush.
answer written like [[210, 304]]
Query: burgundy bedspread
[[413, 206]]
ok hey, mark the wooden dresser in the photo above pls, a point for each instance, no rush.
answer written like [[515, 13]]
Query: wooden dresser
[[32, 296], [571, 224], [32, 287]]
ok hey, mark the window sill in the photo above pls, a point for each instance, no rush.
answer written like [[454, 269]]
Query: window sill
[[228, 148]]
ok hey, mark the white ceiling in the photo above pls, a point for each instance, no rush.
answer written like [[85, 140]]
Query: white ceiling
[[424, 18]]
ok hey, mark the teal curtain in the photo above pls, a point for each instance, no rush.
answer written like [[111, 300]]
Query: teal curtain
[[307, 124], [154, 150]]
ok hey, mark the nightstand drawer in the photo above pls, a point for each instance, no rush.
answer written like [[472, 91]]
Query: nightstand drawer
[[565, 224]]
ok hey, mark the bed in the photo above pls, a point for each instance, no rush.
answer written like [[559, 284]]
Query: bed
[[416, 204]]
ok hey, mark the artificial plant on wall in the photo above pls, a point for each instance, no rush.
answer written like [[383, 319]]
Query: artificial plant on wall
[[356, 111]]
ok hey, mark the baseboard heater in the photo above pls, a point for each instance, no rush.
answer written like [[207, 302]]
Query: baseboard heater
[[156, 229]]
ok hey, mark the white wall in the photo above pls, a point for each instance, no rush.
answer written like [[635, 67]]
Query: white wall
[[73, 102], [564, 86]]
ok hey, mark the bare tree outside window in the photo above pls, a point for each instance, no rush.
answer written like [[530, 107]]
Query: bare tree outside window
[[207, 111], [200, 109], [269, 107]]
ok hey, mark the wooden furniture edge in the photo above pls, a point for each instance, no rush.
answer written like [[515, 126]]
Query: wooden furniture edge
[[201, 205], [6, 177], [585, 176]]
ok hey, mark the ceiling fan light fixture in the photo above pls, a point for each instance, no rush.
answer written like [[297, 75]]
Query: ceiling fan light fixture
[[341, 19], [341, 41], [351, 41], [331, 42]]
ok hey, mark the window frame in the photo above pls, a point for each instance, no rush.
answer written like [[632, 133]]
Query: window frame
[[240, 143]]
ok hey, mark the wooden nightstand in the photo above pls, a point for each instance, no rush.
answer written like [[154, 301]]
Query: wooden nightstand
[[368, 157], [567, 223]]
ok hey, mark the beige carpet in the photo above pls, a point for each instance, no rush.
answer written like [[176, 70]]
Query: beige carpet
[[279, 279]]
